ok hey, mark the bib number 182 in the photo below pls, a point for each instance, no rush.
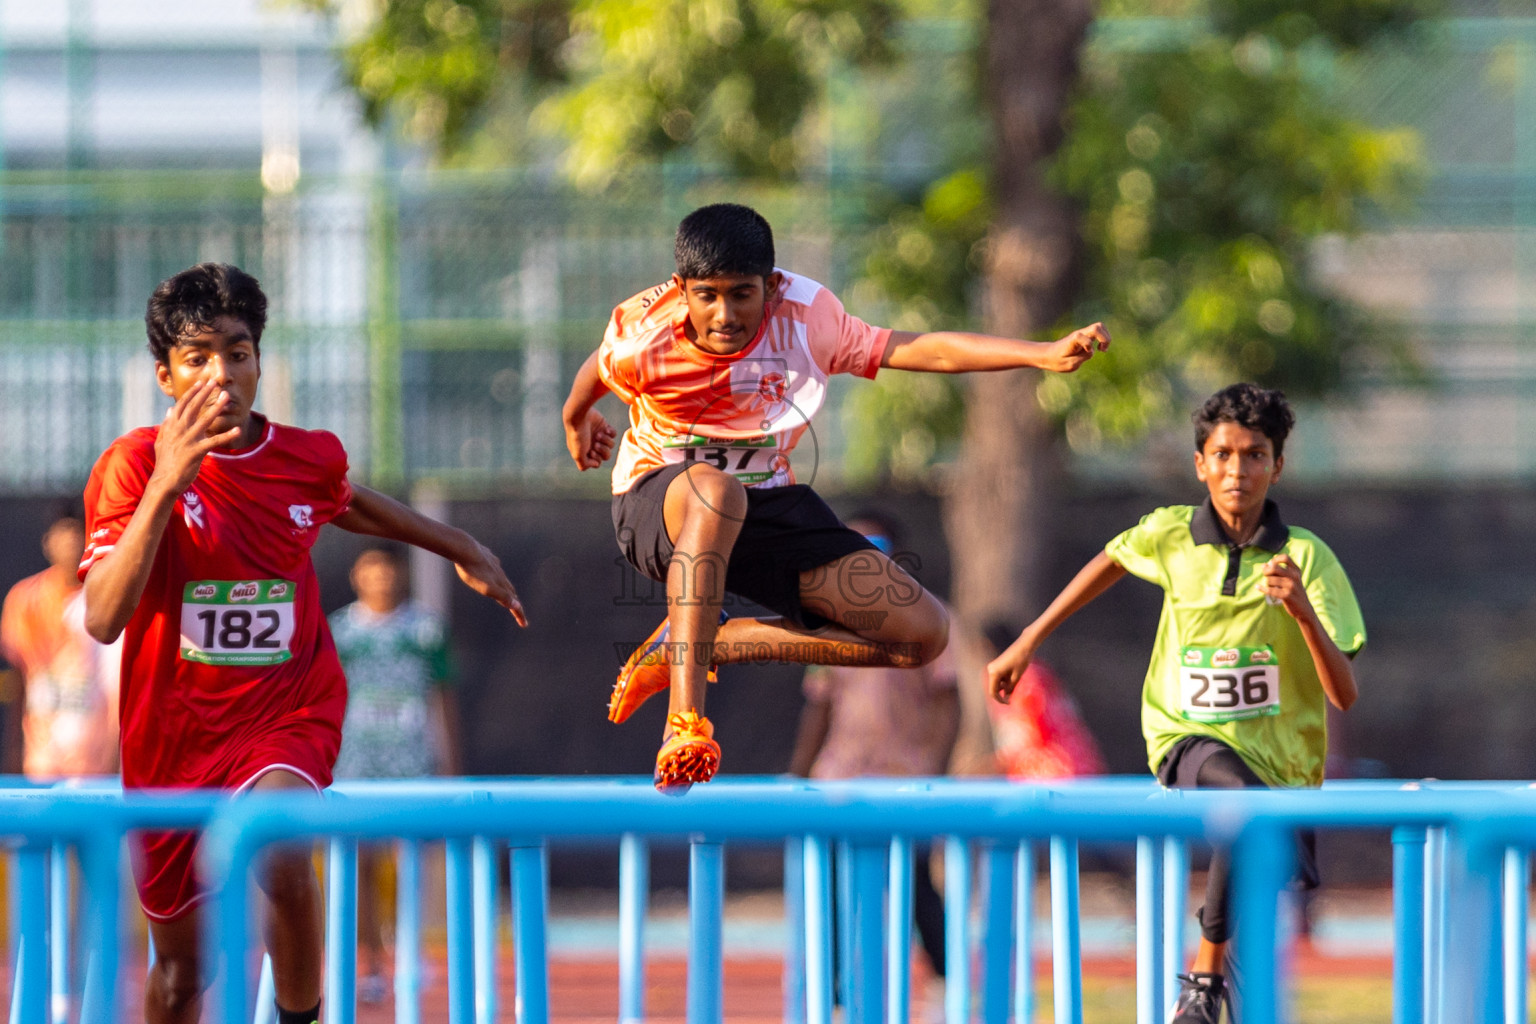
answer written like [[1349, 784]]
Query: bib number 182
[[237, 622]]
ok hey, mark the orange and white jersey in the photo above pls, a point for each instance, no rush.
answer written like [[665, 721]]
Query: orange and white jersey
[[742, 413]]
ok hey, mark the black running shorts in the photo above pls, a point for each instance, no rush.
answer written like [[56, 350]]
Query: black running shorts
[[787, 531]]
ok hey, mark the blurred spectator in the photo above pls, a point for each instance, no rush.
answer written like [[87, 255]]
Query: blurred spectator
[[69, 682], [1038, 734], [876, 722], [402, 715]]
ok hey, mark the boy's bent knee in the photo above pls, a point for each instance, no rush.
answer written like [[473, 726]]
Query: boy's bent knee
[[707, 489]]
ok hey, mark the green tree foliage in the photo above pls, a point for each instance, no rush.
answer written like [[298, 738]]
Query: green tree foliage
[[1207, 149], [1208, 154], [735, 82]]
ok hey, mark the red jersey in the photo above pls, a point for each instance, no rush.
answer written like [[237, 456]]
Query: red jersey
[[227, 655]]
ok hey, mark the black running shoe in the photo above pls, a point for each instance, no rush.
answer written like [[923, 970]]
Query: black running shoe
[[1200, 998]]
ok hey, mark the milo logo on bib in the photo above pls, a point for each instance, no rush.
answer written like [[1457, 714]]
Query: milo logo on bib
[[237, 622], [1227, 684]]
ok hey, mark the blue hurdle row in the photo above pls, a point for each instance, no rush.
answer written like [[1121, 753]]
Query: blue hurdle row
[[1452, 844]]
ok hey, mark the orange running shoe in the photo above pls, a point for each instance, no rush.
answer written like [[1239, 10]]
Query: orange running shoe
[[647, 672], [689, 755]]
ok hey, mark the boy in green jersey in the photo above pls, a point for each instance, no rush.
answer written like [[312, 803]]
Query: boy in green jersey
[[1258, 627]]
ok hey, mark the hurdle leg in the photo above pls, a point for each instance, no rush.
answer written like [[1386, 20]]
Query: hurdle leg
[[957, 931], [530, 913], [706, 907], [634, 900]]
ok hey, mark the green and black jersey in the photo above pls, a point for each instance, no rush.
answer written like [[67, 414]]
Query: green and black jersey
[[1228, 664]]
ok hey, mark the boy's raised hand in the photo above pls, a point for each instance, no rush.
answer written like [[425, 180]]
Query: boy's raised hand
[[590, 441], [183, 439], [1004, 671], [1281, 584], [1068, 353]]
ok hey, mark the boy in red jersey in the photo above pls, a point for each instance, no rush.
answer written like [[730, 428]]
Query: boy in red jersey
[[722, 368], [198, 538]]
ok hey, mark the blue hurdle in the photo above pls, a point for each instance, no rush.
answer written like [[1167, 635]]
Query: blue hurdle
[[1468, 844]]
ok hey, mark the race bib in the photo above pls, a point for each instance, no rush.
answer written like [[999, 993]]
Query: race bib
[[1225, 684], [244, 622], [752, 460]]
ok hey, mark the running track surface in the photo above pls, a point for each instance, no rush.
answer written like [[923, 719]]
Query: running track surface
[[586, 991]]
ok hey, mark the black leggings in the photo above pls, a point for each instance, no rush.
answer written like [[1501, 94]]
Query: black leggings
[[1221, 770], [1224, 769]]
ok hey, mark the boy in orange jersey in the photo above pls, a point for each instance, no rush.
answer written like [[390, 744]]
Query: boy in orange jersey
[[722, 368]]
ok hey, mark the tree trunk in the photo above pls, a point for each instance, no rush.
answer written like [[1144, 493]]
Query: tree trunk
[[997, 514]]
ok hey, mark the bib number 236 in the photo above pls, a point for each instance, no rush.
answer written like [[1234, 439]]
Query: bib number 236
[[1225, 684], [244, 622]]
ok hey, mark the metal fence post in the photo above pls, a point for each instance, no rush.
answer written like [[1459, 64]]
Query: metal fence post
[[461, 932], [486, 919], [1151, 997], [530, 913], [341, 935], [1408, 925], [997, 931], [59, 934], [634, 898], [1175, 907], [1517, 874], [898, 941], [867, 867], [30, 1000], [818, 930], [1066, 934], [408, 932], [1262, 862], [706, 905], [957, 931], [1024, 935], [1437, 874]]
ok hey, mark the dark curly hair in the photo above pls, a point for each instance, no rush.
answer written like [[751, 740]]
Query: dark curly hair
[[723, 239], [1247, 405], [193, 299]]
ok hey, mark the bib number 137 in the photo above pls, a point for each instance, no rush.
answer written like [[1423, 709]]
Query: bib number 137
[[244, 622]]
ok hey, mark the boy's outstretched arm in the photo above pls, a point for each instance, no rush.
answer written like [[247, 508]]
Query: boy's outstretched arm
[[379, 515], [1005, 671], [1282, 583], [588, 436], [961, 352]]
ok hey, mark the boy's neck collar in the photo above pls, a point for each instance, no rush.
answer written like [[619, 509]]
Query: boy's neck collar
[[1206, 527]]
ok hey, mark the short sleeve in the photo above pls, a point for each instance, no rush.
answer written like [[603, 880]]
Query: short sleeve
[[341, 482], [817, 685], [432, 640], [1136, 550], [617, 370], [841, 342], [112, 494], [1333, 598]]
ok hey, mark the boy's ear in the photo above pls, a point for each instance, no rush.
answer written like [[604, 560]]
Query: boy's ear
[[163, 378], [678, 282], [1200, 465], [1274, 475], [773, 284]]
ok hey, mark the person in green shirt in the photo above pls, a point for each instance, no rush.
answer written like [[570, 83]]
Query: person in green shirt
[[1258, 629]]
